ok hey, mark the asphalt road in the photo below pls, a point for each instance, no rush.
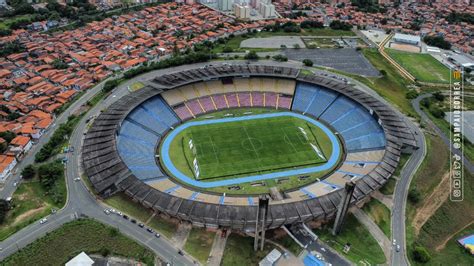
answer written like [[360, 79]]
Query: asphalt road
[[468, 165], [81, 202]]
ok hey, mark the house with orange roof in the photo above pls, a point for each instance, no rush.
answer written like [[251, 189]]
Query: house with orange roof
[[7, 163], [20, 145]]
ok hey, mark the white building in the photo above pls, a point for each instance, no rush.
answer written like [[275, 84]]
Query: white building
[[267, 10], [407, 38], [242, 12], [225, 5], [7, 163], [80, 260], [271, 258]]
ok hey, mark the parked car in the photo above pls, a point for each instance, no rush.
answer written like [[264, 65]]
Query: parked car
[[106, 211], [77, 179], [150, 230], [125, 217], [141, 225], [44, 220], [398, 248], [133, 221], [157, 235]]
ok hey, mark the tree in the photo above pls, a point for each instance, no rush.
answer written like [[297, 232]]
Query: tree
[[414, 195], [438, 96], [436, 111], [420, 254], [7, 135], [227, 49], [49, 173], [28, 172], [339, 25], [59, 64], [296, 46], [437, 41], [4, 207], [411, 94], [308, 62], [280, 58], [252, 55]]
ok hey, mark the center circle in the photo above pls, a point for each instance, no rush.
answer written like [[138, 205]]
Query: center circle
[[252, 144]]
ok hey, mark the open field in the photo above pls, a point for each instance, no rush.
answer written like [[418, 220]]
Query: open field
[[363, 246], [199, 244], [123, 203], [239, 251], [423, 66], [30, 203], [380, 214], [251, 146], [72, 238], [449, 218]]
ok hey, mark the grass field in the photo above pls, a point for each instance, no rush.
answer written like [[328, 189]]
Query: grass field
[[30, 203], [380, 214], [364, 248], [423, 67], [86, 235], [246, 188], [239, 251], [124, 204], [199, 244], [252, 146]]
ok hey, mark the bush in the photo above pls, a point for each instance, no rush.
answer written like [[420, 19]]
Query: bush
[[414, 195], [420, 254], [425, 102], [438, 96], [28, 172], [308, 62], [4, 207], [411, 94], [383, 72], [340, 25], [227, 49], [252, 55], [280, 58], [436, 112]]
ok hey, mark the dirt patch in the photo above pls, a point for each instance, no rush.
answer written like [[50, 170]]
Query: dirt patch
[[439, 195], [28, 214]]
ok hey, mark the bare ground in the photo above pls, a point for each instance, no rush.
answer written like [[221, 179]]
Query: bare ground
[[439, 195], [28, 214]]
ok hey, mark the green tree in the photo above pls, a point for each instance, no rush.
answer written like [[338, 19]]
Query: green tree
[[4, 207], [8, 136], [308, 62], [420, 254], [252, 55], [28, 172], [50, 172]]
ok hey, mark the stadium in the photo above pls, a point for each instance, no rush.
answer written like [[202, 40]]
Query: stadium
[[202, 145]]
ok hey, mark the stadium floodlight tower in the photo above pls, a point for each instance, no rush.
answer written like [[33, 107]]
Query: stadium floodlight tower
[[343, 207], [260, 221]]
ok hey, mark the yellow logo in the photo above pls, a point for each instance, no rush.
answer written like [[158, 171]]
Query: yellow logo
[[457, 74]]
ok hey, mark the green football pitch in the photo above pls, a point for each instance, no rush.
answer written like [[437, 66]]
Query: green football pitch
[[239, 148]]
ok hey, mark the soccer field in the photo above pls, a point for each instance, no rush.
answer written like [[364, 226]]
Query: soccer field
[[250, 147], [423, 66]]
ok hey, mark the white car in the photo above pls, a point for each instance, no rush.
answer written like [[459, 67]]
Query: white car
[[77, 179], [119, 213], [394, 242], [398, 248], [44, 220], [107, 211]]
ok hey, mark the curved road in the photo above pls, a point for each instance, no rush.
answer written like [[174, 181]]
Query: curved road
[[82, 203]]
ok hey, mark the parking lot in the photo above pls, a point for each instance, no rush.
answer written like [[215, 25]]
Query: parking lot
[[343, 59]]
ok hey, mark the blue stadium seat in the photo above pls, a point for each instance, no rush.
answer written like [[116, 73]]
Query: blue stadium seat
[[303, 96]]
